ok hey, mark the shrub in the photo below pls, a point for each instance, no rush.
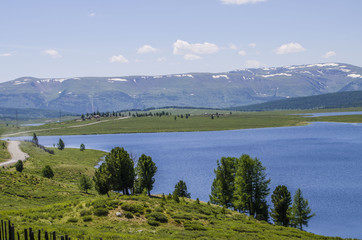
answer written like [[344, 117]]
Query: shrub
[[47, 172], [182, 216], [19, 166], [128, 215], [148, 210], [159, 209], [133, 207], [101, 212], [160, 217], [85, 213], [99, 203], [72, 220], [153, 222], [194, 226], [87, 219]]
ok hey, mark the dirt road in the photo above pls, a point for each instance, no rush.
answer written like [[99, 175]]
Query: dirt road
[[16, 154]]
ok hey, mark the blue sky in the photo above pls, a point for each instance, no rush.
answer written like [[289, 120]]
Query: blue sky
[[150, 37]]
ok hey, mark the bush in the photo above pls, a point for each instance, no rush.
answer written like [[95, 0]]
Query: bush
[[19, 166], [47, 172], [87, 219], [153, 222], [85, 213], [133, 207], [159, 209], [99, 203], [101, 212], [72, 220], [160, 217], [148, 210], [194, 226], [182, 216], [128, 215]]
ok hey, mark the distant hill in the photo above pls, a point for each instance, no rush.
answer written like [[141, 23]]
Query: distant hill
[[28, 114], [330, 100], [208, 90]]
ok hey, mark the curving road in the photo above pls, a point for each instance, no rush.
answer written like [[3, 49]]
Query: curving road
[[15, 152]]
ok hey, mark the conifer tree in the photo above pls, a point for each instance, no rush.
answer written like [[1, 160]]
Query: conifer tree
[[300, 211], [281, 200], [222, 189], [146, 170]]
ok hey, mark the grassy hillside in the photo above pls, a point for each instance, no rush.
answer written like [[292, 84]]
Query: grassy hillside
[[29, 200], [4, 155], [324, 101]]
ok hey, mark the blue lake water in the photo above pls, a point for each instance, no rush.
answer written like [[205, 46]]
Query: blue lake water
[[323, 159]]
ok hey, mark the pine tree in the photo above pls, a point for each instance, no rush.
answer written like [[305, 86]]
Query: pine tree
[[222, 189], [281, 200], [35, 139], [300, 211], [85, 183], [121, 170], [146, 170], [181, 190], [60, 144], [19, 166], [101, 180], [82, 147], [251, 187]]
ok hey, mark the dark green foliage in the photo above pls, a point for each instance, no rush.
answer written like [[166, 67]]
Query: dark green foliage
[[82, 147], [128, 215], [163, 197], [47, 172], [194, 226], [120, 168], [19, 166], [300, 211], [146, 170], [60, 144], [72, 220], [35, 139], [153, 222], [197, 201], [281, 200], [223, 186], [181, 190], [85, 183], [135, 208], [160, 217], [101, 180], [251, 187], [85, 213], [100, 212], [87, 219]]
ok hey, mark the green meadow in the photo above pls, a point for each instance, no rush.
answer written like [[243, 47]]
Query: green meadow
[[30, 200]]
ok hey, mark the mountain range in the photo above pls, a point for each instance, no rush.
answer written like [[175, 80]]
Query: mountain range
[[211, 90]]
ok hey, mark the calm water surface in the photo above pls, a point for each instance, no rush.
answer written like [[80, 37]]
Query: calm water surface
[[323, 159]]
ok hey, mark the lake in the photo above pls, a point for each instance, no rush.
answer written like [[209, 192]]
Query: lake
[[323, 159]]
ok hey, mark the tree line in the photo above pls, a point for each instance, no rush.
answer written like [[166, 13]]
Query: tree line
[[242, 184]]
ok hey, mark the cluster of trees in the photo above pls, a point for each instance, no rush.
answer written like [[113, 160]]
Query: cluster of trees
[[118, 173], [123, 114], [242, 184]]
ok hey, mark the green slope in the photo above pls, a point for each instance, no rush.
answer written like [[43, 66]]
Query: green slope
[[324, 101], [29, 200]]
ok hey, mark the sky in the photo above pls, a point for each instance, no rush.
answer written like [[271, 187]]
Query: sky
[[61, 39]]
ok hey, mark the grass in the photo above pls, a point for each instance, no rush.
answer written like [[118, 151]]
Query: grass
[[4, 154], [226, 121], [29, 200]]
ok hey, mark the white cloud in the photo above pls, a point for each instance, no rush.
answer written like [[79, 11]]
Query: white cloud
[[161, 59], [232, 46], [146, 49], [52, 52], [252, 64], [242, 53], [118, 58], [6, 54], [330, 54], [92, 14], [182, 48], [290, 48], [191, 57], [241, 2], [252, 45]]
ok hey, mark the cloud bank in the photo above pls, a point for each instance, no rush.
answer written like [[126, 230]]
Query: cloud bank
[[241, 2]]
